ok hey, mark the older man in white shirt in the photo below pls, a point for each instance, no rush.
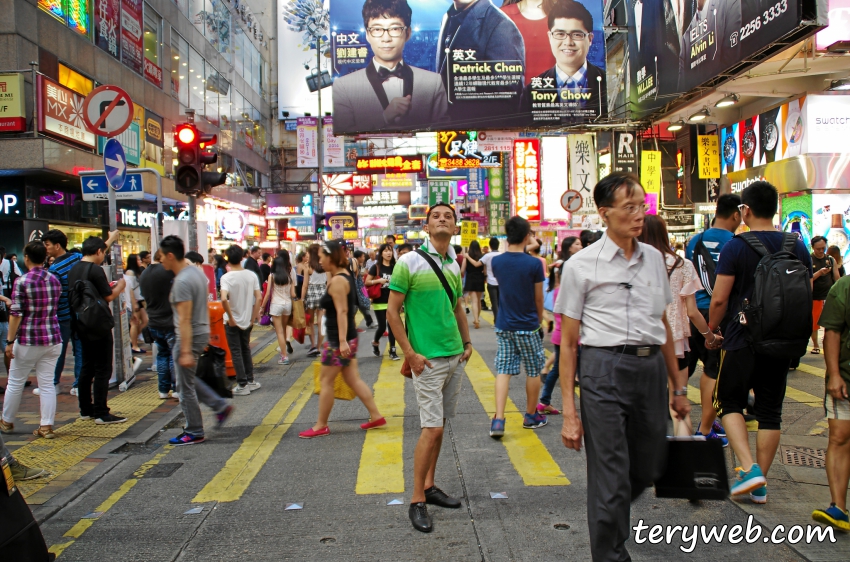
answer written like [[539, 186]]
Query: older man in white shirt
[[613, 295]]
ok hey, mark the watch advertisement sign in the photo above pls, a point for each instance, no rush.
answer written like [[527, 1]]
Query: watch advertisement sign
[[676, 47], [131, 34], [486, 64], [61, 113]]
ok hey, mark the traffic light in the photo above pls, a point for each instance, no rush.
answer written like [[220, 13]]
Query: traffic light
[[190, 177], [321, 226], [209, 179], [291, 235]]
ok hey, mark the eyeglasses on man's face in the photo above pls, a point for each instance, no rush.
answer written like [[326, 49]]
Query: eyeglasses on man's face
[[741, 207], [575, 35], [393, 31], [633, 209]]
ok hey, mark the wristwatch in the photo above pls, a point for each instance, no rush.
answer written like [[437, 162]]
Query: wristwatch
[[681, 392], [10, 342]]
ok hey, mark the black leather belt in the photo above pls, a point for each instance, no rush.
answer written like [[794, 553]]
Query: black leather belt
[[637, 350]]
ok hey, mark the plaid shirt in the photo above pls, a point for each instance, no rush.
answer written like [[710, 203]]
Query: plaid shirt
[[36, 299]]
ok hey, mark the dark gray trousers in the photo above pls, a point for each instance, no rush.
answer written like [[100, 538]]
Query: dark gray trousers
[[624, 414]]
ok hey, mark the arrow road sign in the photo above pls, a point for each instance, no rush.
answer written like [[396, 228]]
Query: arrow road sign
[[107, 111], [95, 188], [114, 163]]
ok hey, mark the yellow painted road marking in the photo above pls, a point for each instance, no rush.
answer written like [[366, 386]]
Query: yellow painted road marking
[[527, 453], [803, 397], [243, 466], [267, 353], [812, 370], [381, 459], [83, 524]]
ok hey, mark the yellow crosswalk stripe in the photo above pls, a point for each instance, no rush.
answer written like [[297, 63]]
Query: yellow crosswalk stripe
[[812, 370], [803, 397], [266, 354], [381, 459], [529, 456], [243, 466]]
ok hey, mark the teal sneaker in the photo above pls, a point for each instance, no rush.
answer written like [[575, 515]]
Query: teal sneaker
[[833, 516], [497, 427], [748, 481], [759, 495]]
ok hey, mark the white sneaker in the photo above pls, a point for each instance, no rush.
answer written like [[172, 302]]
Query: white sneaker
[[176, 395], [163, 395], [74, 391], [241, 390], [254, 385]]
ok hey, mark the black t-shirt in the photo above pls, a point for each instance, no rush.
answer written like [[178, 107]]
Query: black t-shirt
[[265, 271], [386, 273], [155, 284], [94, 273], [824, 283], [252, 265]]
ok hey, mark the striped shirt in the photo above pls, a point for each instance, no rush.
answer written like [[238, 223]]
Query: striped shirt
[[35, 298], [61, 267]]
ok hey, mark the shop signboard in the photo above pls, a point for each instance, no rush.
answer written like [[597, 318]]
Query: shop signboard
[[61, 113], [496, 141], [669, 56], [333, 145], [708, 156], [388, 164], [679, 221], [153, 73], [12, 115], [107, 23], [498, 213], [503, 78], [434, 171], [347, 184], [289, 205], [554, 174], [394, 182], [132, 50], [460, 149], [468, 232], [830, 213], [346, 221], [476, 187], [839, 25], [650, 178], [11, 204], [129, 139], [583, 169], [307, 139], [526, 159], [496, 181], [625, 153], [439, 191], [154, 142]]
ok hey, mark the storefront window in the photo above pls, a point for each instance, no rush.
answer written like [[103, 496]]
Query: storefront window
[[179, 68], [238, 50], [77, 234], [75, 81], [211, 93], [196, 81], [256, 76], [151, 41]]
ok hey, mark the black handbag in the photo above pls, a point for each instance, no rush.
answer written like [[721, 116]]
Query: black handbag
[[211, 370], [20, 536], [696, 470]]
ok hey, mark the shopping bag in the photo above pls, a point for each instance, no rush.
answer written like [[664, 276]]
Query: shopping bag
[[362, 295], [297, 320], [211, 370], [341, 390], [696, 470], [549, 300]]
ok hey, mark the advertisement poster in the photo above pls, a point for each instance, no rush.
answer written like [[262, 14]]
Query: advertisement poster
[[333, 145], [674, 47], [527, 178], [797, 216], [708, 156], [625, 156], [12, 115], [129, 140], [154, 141], [461, 149], [583, 171], [107, 22], [466, 68], [61, 113], [830, 213], [131, 34], [554, 171], [439, 191], [307, 139]]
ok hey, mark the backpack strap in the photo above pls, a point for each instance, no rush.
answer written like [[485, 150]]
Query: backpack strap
[[754, 243], [440, 275], [789, 242]]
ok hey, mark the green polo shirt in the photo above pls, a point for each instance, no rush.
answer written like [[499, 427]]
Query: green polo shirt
[[836, 317], [431, 325]]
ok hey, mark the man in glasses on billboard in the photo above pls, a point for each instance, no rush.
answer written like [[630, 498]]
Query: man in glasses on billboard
[[388, 93]]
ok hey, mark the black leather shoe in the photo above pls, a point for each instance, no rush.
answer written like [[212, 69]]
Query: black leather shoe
[[418, 514], [436, 496]]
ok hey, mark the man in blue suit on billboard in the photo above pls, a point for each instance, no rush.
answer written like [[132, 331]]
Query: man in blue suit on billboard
[[475, 30]]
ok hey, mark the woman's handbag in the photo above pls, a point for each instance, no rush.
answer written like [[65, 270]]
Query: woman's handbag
[[341, 389], [297, 320], [265, 318], [362, 295], [549, 300], [374, 291]]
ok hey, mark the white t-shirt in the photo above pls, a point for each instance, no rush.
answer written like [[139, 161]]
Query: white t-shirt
[[486, 259], [240, 287]]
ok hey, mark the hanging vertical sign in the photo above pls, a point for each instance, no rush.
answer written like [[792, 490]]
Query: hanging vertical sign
[[583, 170], [527, 178], [333, 145], [307, 138], [625, 156], [708, 151], [131, 34], [439, 191], [107, 22], [650, 178]]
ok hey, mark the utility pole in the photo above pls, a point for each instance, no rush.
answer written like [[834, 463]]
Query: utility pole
[[193, 224], [321, 128]]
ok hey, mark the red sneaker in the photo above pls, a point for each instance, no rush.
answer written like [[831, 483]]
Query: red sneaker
[[310, 433], [373, 424]]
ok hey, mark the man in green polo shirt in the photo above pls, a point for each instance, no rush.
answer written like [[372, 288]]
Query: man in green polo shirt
[[835, 319], [436, 346]]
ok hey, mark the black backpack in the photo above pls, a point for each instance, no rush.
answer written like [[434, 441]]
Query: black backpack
[[705, 265], [778, 319], [94, 316]]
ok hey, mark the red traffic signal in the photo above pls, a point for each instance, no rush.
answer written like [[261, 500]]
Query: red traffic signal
[[186, 134], [291, 234]]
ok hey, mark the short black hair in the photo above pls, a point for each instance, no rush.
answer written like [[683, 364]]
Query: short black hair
[[234, 254], [435, 205], [173, 245], [358, 254], [605, 191], [266, 256], [143, 254], [391, 237], [377, 9], [727, 205], [36, 252], [458, 249], [817, 239], [762, 199], [195, 257], [254, 249], [55, 236], [405, 247], [517, 228], [494, 244], [569, 9], [92, 245]]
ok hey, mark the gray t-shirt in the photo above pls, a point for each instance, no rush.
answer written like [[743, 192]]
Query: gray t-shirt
[[191, 285]]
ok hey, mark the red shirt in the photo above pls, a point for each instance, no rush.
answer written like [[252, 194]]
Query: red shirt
[[535, 34]]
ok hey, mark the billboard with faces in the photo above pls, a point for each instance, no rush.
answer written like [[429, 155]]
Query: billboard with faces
[[408, 65]]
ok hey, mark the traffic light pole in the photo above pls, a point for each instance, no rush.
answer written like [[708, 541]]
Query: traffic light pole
[[193, 224], [321, 129]]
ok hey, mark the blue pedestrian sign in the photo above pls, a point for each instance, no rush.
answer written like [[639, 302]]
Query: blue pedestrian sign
[[96, 188], [114, 164]]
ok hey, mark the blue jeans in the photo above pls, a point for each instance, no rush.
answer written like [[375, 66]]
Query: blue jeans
[[554, 376], [67, 335], [164, 340]]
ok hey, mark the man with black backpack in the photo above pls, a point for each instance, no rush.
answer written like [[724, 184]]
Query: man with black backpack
[[762, 296], [704, 250], [92, 321]]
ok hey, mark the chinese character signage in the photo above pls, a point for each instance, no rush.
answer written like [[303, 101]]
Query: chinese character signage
[[107, 22], [333, 145], [61, 113], [386, 164], [12, 114], [498, 212], [493, 67], [73, 13], [394, 182], [526, 158], [583, 170], [307, 139], [496, 181], [131, 34], [708, 154], [459, 149], [439, 191], [153, 73], [468, 232], [650, 171]]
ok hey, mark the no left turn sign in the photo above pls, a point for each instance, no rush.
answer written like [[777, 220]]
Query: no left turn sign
[[108, 111], [571, 201]]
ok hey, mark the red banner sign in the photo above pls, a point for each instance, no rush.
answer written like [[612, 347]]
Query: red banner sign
[[153, 73], [132, 49], [527, 178], [107, 22]]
